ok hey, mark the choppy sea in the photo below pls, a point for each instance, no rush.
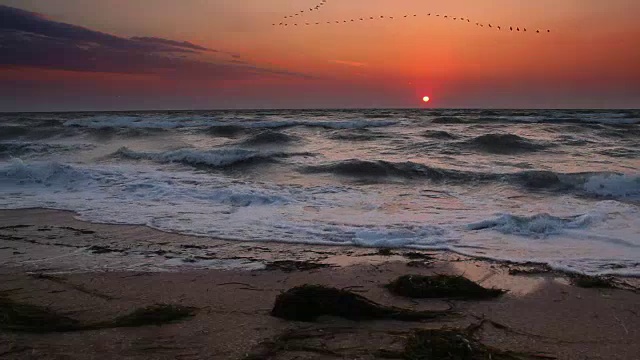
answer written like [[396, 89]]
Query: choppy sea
[[559, 187]]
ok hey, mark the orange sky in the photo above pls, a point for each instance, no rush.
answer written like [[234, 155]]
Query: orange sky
[[590, 59]]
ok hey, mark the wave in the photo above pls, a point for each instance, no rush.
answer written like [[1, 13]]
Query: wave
[[504, 144], [225, 130], [590, 184], [540, 225], [219, 158], [621, 152], [119, 183], [356, 135], [135, 121], [381, 169], [269, 137], [10, 132], [439, 134], [35, 132], [281, 124], [46, 173], [110, 131], [18, 148], [613, 186], [449, 120]]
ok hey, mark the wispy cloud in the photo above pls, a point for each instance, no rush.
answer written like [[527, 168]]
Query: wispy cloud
[[348, 63], [29, 39]]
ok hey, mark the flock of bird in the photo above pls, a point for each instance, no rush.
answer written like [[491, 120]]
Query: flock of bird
[[300, 13]]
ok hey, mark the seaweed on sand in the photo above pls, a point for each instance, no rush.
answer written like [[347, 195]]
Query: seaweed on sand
[[291, 265], [308, 302], [22, 317], [152, 315], [593, 282], [451, 344], [440, 286]]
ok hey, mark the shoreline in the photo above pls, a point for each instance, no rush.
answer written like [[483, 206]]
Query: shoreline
[[336, 255]]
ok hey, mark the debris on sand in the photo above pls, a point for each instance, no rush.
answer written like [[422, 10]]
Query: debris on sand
[[291, 265], [440, 286], [308, 302], [447, 344], [593, 282], [385, 252], [22, 317], [414, 255]]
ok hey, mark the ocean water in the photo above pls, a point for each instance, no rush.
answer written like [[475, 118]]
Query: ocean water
[[558, 187]]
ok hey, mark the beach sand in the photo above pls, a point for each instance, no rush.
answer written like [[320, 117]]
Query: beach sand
[[543, 313]]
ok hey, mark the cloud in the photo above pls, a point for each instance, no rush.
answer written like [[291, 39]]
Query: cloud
[[29, 39], [171, 43], [348, 63]]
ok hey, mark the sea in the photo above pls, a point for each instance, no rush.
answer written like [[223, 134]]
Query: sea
[[559, 187]]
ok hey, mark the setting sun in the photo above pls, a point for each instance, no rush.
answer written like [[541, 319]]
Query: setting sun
[[426, 99]]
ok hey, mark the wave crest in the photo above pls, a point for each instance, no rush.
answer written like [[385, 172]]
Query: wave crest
[[504, 144], [269, 137], [218, 158], [540, 225]]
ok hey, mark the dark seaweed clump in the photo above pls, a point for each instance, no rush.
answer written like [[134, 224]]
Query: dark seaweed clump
[[440, 286], [22, 317], [447, 345], [153, 315], [593, 282], [308, 302], [291, 265]]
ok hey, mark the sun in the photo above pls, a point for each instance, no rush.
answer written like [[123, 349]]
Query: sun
[[426, 99]]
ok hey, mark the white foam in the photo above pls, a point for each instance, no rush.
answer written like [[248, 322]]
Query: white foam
[[540, 225], [585, 235], [614, 185]]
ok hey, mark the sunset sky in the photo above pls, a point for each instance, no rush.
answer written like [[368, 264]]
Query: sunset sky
[[208, 54]]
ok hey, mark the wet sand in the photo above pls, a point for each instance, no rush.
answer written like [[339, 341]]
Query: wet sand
[[543, 313]]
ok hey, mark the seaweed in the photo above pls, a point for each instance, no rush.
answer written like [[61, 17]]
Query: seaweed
[[22, 317], [291, 265], [448, 344], [152, 315], [414, 255], [594, 282], [293, 340], [308, 302], [440, 286]]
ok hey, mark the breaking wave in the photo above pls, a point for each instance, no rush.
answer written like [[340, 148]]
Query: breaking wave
[[382, 169], [540, 225], [600, 185], [439, 134], [18, 148], [269, 137], [614, 186], [219, 158]]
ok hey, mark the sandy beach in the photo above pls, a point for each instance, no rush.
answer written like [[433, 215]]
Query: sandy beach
[[48, 260]]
